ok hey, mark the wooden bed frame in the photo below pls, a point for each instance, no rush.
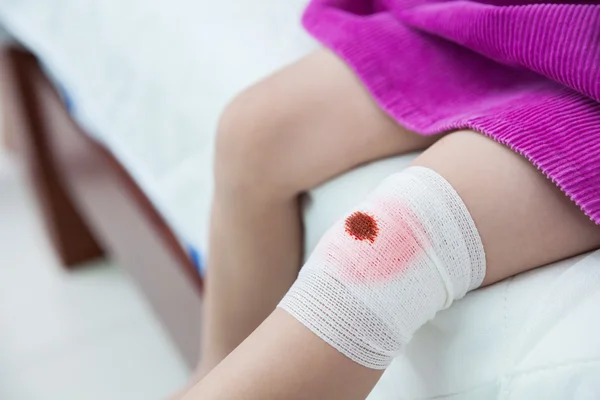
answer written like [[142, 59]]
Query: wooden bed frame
[[92, 207]]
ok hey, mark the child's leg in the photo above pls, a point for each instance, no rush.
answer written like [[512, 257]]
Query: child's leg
[[524, 222], [289, 133]]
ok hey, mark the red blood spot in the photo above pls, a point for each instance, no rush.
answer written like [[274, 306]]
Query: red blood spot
[[395, 250], [362, 226]]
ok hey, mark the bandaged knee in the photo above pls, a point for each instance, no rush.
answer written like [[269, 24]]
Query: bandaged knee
[[388, 267]]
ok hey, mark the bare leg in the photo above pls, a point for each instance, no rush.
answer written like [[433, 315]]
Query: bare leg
[[291, 132], [524, 222]]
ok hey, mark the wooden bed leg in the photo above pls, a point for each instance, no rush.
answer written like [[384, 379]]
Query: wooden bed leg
[[24, 120], [81, 185]]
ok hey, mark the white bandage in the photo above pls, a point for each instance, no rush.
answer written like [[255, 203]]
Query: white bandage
[[387, 268]]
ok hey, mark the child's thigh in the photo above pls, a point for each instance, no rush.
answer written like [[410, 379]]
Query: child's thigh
[[305, 124], [524, 220]]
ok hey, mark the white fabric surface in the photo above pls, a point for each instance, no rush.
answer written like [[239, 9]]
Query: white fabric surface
[[149, 78]]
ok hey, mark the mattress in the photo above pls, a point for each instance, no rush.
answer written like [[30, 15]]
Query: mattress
[[149, 79]]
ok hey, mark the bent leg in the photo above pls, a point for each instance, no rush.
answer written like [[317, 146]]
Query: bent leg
[[285, 135], [523, 221]]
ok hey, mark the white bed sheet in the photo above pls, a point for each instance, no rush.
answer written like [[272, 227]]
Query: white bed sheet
[[148, 79]]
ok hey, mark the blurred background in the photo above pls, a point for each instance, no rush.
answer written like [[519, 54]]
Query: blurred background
[[86, 334], [109, 111], [82, 334]]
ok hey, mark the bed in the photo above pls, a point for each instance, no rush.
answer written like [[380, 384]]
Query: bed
[[115, 107]]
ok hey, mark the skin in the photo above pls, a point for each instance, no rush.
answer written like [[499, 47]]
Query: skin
[[261, 368], [523, 219], [315, 107]]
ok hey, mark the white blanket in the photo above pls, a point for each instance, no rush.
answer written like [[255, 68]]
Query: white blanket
[[149, 78]]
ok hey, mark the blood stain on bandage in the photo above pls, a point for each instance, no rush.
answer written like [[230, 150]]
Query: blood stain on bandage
[[362, 226], [396, 249]]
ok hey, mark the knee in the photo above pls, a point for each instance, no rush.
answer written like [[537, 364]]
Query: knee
[[247, 148]]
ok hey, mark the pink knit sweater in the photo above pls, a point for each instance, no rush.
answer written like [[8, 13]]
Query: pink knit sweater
[[525, 74]]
